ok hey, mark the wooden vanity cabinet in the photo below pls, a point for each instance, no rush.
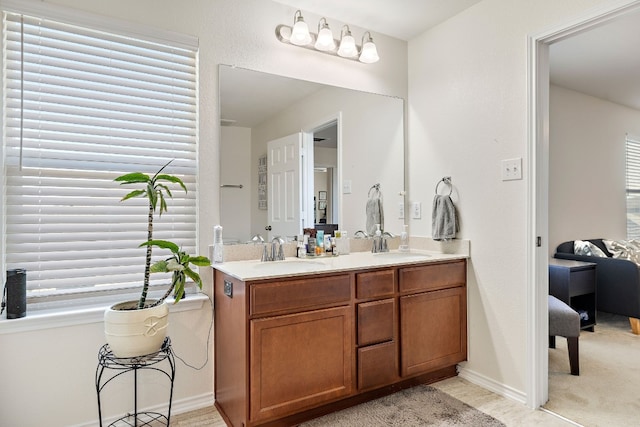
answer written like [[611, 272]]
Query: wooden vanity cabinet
[[433, 316], [290, 349]]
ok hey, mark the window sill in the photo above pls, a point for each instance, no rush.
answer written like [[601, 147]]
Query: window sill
[[59, 318]]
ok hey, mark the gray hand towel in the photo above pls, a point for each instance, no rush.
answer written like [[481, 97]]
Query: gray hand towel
[[444, 219], [375, 211]]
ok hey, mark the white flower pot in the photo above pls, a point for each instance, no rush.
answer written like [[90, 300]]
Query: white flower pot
[[132, 333]]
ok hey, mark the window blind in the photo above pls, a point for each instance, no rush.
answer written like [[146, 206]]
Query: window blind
[[633, 187], [82, 107]]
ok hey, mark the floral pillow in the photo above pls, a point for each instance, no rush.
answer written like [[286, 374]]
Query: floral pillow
[[624, 249], [581, 247]]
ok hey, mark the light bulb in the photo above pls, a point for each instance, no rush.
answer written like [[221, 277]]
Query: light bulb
[[347, 47], [369, 53], [325, 40], [300, 34]]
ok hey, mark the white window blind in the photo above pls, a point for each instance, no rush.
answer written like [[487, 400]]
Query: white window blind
[[633, 187], [82, 107]]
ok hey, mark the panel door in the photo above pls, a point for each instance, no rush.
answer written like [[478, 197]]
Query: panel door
[[433, 330], [284, 170], [299, 361]]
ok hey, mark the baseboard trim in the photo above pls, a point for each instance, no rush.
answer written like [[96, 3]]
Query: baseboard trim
[[178, 407], [491, 385], [192, 403]]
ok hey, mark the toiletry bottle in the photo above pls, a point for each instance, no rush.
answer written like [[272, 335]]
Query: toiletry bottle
[[218, 248], [344, 242], [302, 252], [404, 240], [327, 243]]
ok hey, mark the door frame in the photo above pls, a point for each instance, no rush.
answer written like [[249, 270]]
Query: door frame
[[308, 132], [538, 189]]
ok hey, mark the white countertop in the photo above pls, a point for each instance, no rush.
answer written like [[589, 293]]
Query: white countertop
[[256, 269]]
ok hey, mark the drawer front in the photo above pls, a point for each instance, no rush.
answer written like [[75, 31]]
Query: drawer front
[[299, 295], [376, 321], [377, 365], [432, 277], [582, 282], [375, 284]]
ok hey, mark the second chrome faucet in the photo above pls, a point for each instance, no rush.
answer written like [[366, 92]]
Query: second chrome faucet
[[277, 250]]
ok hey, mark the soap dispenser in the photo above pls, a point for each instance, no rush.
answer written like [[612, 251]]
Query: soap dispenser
[[377, 240], [218, 245], [404, 239]]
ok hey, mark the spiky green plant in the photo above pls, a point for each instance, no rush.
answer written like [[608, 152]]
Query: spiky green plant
[[178, 265], [155, 190]]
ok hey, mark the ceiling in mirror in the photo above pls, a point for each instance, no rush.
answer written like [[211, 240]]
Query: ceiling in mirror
[[248, 98]]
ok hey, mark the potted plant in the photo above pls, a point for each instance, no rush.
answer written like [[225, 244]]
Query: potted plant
[[138, 327]]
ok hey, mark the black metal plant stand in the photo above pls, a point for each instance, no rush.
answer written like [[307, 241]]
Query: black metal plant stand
[[107, 360]]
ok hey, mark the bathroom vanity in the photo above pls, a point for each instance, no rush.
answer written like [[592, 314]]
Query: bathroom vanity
[[300, 338]]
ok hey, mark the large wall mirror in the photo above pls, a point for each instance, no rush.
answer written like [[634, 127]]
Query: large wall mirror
[[351, 141]]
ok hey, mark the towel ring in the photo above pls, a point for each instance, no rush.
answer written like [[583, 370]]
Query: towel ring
[[447, 181]]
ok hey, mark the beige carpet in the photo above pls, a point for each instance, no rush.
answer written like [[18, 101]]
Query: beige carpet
[[606, 393]]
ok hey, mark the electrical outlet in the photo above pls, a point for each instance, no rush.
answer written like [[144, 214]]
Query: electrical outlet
[[512, 169], [401, 210], [416, 210]]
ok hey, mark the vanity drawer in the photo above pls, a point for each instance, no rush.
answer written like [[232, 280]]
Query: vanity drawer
[[375, 283], [376, 321], [377, 365], [433, 276], [299, 294]]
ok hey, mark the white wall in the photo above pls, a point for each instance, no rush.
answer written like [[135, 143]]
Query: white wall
[[468, 112], [235, 213], [47, 376], [587, 166], [372, 150]]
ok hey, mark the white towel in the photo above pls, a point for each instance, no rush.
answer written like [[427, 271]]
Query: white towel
[[444, 219], [375, 212]]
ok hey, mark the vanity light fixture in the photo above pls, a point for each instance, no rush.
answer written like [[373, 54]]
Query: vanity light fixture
[[299, 35]]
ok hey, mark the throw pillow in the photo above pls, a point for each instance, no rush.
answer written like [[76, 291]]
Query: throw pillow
[[624, 249], [582, 247]]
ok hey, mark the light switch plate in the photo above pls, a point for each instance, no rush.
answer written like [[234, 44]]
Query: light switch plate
[[346, 186], [512, 169]]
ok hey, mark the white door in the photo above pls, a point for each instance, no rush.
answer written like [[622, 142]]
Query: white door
[[284, 181]]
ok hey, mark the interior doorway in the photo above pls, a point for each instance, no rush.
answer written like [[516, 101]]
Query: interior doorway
[[322, 180], [538, 221]]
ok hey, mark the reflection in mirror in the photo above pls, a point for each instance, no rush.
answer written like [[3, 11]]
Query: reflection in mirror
[[357, 140]]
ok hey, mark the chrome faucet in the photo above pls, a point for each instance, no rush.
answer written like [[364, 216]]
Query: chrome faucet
[[380, 243], [361, 233], [277, 250]]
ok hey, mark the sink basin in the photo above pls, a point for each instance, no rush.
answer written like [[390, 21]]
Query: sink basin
[[402, 256]]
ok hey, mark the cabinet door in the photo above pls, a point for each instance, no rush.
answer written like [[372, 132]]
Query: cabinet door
[[433, 330], [300, 360]]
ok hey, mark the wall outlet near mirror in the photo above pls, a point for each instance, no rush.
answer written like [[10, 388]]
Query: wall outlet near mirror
[[416, 210]]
